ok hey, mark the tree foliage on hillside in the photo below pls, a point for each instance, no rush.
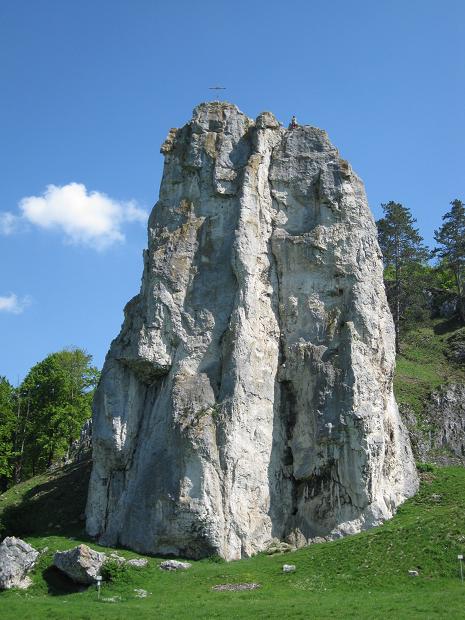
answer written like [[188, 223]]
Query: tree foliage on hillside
[[7, 428], [42, 418], [404, 258], [451, 248]]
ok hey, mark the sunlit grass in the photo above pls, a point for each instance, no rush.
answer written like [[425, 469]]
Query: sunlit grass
[[363, 576]]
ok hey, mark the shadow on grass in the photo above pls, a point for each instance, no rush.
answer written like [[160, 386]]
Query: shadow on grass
[[59, 584], [55, 507], [448, 325]]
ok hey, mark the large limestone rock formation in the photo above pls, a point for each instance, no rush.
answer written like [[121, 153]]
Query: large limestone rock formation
[[249, 394]]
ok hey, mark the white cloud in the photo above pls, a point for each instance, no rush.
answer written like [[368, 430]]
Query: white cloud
[[13, 304], [8, 223], [84, 217]]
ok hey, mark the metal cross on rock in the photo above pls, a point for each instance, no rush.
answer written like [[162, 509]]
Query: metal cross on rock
[[217, 88]]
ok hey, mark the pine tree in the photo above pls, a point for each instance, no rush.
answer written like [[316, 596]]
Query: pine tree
[[404, 255], [451, 250]]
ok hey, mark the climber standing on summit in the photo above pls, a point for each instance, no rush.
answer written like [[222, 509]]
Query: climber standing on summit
[[293, 124]]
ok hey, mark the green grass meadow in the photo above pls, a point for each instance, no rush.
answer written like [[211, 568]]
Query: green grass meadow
[[362, 576]]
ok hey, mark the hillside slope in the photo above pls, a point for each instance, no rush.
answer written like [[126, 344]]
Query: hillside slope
[[426, 361], [429, 385], [363, 576]]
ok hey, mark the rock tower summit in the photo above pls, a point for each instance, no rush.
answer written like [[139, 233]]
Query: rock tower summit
[[248, 395]]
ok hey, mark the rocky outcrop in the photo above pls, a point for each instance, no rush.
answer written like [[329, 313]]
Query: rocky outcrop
[[248, 396], [81, 449], [17, 559], [438, 436], [81, 564], [455, 349]]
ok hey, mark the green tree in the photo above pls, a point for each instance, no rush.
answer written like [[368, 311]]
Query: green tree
[[451, 248], [7, 430], [54, 401], [404, 256]]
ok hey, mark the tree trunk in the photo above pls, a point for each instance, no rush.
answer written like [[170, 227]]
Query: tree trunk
[[397, 304], [460, 300], [19, 459]]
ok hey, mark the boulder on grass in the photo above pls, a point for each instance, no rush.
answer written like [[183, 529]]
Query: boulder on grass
[[81, 564], [17, 558]]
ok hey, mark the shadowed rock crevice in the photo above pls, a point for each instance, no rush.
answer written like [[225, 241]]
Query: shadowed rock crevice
[[249, 393]]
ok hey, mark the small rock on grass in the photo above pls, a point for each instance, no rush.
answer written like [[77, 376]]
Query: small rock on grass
[[288, 568], [413, 573], [137, 562], [140, 593], [174, 565]]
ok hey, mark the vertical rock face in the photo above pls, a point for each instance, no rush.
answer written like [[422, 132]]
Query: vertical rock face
[[249, 393]]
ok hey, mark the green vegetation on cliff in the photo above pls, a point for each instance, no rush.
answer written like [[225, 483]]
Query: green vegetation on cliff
[[424, 362]]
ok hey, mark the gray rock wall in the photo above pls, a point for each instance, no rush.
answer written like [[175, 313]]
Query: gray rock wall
[[438, 434], [249, 393]]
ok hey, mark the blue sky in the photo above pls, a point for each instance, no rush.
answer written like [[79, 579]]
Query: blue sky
[[91, 88]]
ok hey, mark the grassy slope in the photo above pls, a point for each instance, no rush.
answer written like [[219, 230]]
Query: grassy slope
[[422, 365], [363, 576]]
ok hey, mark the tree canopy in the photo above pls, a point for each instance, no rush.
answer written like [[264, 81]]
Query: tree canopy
[[7, 428], [44, 415], [450, 238], [404, 258]]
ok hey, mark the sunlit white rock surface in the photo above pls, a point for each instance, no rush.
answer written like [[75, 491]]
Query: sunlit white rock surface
[[248, 396]]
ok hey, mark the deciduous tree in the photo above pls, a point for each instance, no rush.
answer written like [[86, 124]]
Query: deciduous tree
[[52, 404]]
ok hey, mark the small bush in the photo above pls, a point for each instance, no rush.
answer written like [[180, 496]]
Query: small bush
[[423, 468], [116, 572]]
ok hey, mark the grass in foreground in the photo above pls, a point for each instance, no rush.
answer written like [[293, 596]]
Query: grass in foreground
[[363, 576]]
